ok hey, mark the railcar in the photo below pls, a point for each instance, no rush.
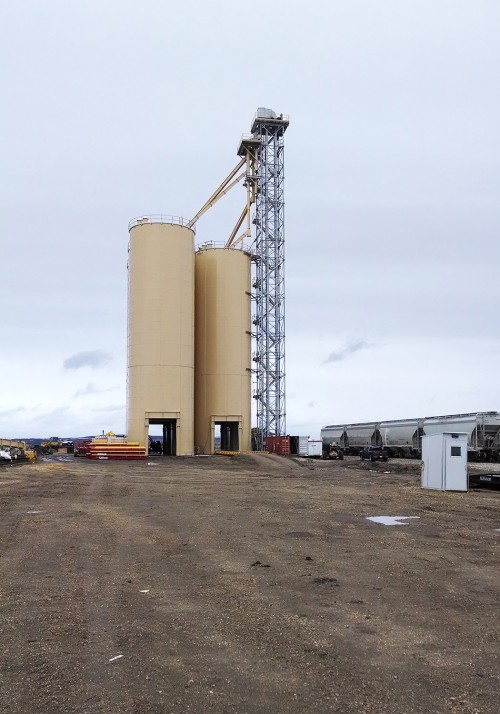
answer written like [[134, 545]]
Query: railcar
[[403, 437], [482, 428]]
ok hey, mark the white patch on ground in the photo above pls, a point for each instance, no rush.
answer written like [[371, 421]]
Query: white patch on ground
[[143, 591], [390, 520], [113, 659], [33, 513]]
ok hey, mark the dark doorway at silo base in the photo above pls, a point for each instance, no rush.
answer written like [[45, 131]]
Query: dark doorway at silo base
[[229, 435], [166, 443]]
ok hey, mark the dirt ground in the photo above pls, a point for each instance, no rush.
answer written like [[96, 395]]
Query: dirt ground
[[252, 584]]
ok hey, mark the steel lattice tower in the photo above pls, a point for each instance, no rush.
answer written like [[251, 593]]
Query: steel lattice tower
[[269, 284]]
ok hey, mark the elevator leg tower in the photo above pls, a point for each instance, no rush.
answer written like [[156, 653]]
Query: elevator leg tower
[[269, 282]]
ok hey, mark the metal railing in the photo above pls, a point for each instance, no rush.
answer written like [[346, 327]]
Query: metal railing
[[209, 244], [159, 218]]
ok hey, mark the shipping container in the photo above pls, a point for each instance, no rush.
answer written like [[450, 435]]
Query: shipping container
[[303, 450], [277, 444]]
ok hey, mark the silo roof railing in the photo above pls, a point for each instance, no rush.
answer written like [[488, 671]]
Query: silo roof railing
[[209, 244], [159, 218]]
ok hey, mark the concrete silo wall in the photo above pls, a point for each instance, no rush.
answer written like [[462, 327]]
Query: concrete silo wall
[[160, 379], [222, 349]]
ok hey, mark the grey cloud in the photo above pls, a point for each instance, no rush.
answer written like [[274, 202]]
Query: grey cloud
[[54, 420], [11, 412], [61, 420], [92, 389], [110, 408], [346, 351], [94, 359], [89, 389]]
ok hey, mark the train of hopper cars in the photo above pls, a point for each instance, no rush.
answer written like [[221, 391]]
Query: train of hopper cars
[[403, 437]]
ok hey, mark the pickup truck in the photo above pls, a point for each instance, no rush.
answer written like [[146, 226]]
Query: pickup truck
[[373, 453]]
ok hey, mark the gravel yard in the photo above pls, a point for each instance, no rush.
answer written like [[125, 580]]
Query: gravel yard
[[253, 584]]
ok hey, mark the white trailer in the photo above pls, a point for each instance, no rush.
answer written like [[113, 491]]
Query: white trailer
[[444, 461], [315, 448]]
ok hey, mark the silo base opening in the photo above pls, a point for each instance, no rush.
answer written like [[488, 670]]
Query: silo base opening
[[163, 437], [229, 435]]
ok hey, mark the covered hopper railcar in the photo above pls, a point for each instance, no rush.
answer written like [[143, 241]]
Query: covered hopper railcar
[[403, 437]]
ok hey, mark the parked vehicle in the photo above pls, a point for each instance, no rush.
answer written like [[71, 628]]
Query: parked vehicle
[[334, 452], [373, 453], [82, 447], [57, 446]]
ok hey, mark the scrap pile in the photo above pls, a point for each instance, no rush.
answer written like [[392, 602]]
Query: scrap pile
[[112, 447], [15, 453]]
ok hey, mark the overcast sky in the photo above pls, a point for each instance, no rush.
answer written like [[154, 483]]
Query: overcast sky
[[118, 108]]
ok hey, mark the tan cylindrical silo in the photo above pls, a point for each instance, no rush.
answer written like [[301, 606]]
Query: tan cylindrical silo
[[222, 349], [160, 379]]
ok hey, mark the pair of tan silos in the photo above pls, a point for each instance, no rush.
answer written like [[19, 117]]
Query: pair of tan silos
[[189, 349]]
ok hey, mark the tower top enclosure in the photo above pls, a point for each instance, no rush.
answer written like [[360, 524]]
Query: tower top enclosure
[[269, 117]]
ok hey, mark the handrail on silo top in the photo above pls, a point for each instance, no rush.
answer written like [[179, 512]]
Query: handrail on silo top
[[209, 244], [159, 218]]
